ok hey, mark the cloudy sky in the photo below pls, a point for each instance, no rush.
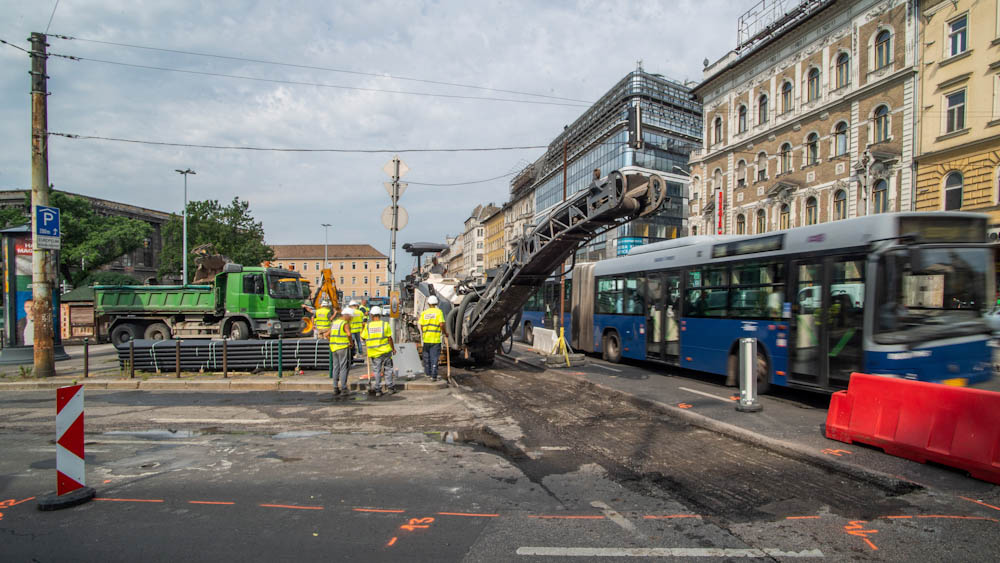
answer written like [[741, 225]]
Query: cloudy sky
[[505, 49]]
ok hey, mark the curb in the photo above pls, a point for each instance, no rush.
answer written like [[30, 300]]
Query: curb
[[799, 452], [312, 385]]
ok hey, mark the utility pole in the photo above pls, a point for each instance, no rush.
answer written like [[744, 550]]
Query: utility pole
[[184, 273], [41, 281], [394, 218]]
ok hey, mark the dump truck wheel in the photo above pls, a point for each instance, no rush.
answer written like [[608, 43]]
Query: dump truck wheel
[[157, 331], [239, 330], [121, 334]]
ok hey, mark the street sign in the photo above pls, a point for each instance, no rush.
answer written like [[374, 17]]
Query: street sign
[[402, 218], [388, 188], [47, 230], [394, 304], [390, 167]]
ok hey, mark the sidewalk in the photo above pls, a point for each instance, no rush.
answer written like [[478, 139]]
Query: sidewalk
[[791, 422], [105, 373]]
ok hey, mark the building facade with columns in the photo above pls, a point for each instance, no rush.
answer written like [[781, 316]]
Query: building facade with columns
[[810, 119], [958, 167]]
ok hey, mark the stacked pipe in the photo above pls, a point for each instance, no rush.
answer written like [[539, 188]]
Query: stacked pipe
[[241, 355]]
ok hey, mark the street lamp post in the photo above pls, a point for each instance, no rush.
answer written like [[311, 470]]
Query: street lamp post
[[184, 273], [326, 245]]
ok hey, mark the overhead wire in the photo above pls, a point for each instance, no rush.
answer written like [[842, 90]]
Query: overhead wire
[[316, 84], [468, 183], [18, 47], [321, 68]]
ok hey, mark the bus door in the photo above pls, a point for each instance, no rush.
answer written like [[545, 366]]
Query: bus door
[[808, 339], [663, 315], [845, 320]]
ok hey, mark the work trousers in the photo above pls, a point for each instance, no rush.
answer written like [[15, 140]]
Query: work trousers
[[381, 368], [341, 365], [432, 354], [358, 349]]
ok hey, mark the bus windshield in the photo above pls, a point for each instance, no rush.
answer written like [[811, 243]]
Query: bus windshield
[[280, 287], [944, 296]]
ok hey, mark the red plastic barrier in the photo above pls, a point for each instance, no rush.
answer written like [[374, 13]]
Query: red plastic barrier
[[954, 426]]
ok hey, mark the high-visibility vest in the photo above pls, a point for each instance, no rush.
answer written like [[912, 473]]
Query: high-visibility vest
[[376, 336], [340, 335], [357, 322], [364, 310], [323, 318], [430, 324]]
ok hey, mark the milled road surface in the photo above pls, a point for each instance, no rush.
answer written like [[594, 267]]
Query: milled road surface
[[542, 468]]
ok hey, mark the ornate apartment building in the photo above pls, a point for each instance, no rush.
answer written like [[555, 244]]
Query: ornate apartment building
[[810, 119]]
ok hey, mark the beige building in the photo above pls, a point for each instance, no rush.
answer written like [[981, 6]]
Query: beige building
[[456, 257], [809, 120], [519, 212], [496, 246], [358, 269], [959, 127]]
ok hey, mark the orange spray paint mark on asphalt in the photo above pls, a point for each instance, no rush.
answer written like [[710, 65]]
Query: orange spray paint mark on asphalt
[[417, 524], [130, 499], [292, 506], [392, 542], [838, 453], [209, 502], [980, 502], [669, 516], [468, 514], [556, 517], [856, 528], [390, 511], [802, 517], [684, 405]]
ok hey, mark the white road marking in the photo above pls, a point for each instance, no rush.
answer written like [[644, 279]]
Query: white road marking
[[704, 394], [212, 420], [615, 516], [663, 552], [555, 448], [609, 368]]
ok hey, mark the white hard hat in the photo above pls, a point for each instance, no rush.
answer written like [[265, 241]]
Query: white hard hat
[[325, 303], [347, 311], [432, 300], [376, 310], [353, 303]]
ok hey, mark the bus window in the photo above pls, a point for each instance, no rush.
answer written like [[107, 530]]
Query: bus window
[[707, 293], [610, 297], [758, 290], [633, 302]]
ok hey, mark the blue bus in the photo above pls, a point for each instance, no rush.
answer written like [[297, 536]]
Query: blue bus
[[542, 309], [901, 295]]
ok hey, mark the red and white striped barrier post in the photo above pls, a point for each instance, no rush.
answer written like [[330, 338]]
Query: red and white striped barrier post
[[71, 474]]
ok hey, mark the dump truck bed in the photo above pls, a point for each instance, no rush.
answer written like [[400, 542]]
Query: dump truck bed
[[153, 299]]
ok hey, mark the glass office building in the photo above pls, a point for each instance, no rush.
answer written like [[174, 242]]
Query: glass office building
[[671, 128]]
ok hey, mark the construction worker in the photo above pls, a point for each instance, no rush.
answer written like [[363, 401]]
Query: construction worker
[[357, 325], [322, 320], [363, 307], [377, 335], [341, 346], [431, 328]]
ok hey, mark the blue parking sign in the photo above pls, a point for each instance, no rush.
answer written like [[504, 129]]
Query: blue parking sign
[[46, 221]]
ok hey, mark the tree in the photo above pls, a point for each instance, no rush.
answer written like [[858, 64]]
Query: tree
[[89, 240], [231, 229]]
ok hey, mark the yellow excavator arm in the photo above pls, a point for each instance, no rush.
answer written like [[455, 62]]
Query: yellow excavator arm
[[327, 289]]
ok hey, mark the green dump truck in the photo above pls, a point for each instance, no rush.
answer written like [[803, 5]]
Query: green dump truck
[[242, 303]]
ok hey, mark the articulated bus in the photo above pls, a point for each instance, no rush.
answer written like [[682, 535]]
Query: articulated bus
[[901, 295]]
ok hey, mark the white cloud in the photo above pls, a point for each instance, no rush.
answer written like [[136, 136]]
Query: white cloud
[[570, 49]]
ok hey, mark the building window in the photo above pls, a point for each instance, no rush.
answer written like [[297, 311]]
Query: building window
[[761, 167], [341, 265], [786, 158], [761, 221], [785, 217], [694, 230], [762, 109], [378, 279], [354, 293], [366, 294], [811, 214], [786, 97], [880, 196], [957, 35], [882, 53], [953, 191], [813, 84], [354, 265], [717, 130], [341, 280], [840, 139], [741, 224], [812, 148], [305, 266], [317, 266], [378, 293], [840, 205], [354, 280], [881, 124], [366, 265], [955, 118], [742, 119], [717, 179], [741, 174], [366, 280], [843, 70]]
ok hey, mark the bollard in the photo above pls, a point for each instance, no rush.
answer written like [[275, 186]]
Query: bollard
[[177, 358], [131, 358], [86, 357], [748, 376], [280, 357], [225, 359], [331, 364], [71, 482]]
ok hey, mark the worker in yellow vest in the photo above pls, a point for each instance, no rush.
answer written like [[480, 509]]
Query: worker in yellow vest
[[341, 346], [322, 320], [357, 325], [431, 329], [377, 335]]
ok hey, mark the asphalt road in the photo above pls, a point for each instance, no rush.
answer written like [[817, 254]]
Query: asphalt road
[[513, 465]]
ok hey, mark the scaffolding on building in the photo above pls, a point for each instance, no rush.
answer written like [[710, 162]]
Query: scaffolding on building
[[768, 18]]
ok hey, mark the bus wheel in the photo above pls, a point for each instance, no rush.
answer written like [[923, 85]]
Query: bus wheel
[[121, 334], [612, 347], [529, 334], [763, 372], [157, 331]]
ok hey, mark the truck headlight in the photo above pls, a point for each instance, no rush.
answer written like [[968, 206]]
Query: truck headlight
[[277, 326]]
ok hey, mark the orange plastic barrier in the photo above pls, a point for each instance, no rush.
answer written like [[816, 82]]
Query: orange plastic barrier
[[954, 426]]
